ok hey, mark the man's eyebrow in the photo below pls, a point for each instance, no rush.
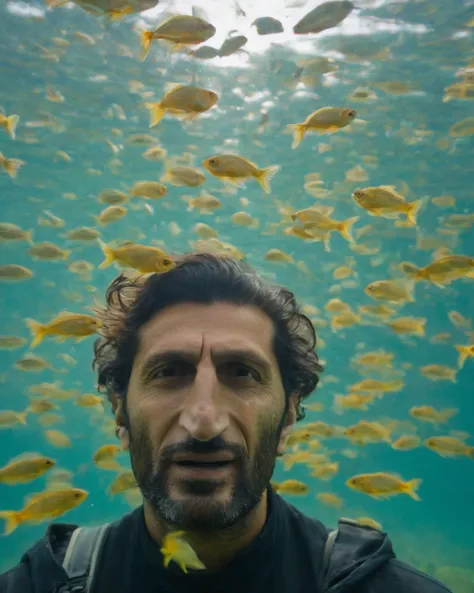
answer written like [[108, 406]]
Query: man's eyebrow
[[179, 355]]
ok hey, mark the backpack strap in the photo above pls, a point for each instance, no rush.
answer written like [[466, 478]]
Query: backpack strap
[[80, 561], [328, 546]]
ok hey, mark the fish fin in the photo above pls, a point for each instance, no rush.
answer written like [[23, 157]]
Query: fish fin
[[413, 210], [116, 15], [11, 123], [156, 113], [345, 228], [411, 488], [12, 520], [146, 39], [183, 567], [298, 131], [463, 354], [11, 167], [37, 330], [109, 255], [265, 175], [470, 452]]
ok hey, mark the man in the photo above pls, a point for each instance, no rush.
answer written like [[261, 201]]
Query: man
[[206, 367]]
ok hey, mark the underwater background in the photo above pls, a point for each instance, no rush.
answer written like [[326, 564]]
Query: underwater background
[[78, 84]]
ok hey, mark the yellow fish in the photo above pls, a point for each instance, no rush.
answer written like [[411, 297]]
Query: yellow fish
[[149, 189], [184, 175], [10, 166], [408, 325], [175, 547], [48, 251], [449, 446], [12, 232], [276, 255], [83, 234], [294, 487], [44, 506], [330, 499], [232, 168], [145, 259], [353, 401], [384, 485], [439, 372], [464, 352], [376, 386], [9, 418], [181, 30], [66, 325], [406, 442], [56, 438], [367, 432], [390, 291], [386, 202], [25, 469], [110, 214], [189, 101], [104, 457], [441, 271], [89, 400], [123, 482], [429, 414], [318, 219], [9, 122], [324, 121]]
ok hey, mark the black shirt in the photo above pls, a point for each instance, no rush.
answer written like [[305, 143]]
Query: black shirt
[[280, 559]]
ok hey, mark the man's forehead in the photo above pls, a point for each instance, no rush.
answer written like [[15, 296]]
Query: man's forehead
[[220, 325]]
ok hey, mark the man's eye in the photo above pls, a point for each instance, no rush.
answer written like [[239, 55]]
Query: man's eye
[[168, 371], [243, 372]]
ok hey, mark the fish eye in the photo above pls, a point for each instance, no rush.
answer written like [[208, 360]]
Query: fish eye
[[166, 262], [213, 161], [351, 113]]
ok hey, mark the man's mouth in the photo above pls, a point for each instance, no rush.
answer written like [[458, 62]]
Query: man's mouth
[[203, 464], [209, 461]]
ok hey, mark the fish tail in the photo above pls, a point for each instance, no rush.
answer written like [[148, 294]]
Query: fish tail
[[463, 354], [413, 210], [37, 330], [11, 167], [447, 413], [97, 219], [470, 452], [29, 236], [412, 487], [265, 175], [146, 39], [345, 228], [12, 520], [298, 134], [156, 113], [22, 417], [109, 255], [11, 124]]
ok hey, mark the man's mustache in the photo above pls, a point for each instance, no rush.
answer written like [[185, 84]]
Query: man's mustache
[[191, 445]]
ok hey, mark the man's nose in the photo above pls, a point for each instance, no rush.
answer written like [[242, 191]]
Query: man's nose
[[203, 416]]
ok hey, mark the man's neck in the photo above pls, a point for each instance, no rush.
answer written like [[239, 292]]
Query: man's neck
[[229, 542]]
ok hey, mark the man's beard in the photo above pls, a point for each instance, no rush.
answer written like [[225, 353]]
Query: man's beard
[[200, 510]]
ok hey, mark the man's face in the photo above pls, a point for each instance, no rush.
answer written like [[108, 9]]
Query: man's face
[[205, 412]]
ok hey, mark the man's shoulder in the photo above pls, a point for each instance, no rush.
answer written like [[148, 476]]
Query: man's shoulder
[[398, 576]]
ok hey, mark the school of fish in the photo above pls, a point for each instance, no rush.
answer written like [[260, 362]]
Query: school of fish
[[357, 288]]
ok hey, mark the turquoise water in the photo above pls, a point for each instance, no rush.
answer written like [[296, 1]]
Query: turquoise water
[[422, 44]]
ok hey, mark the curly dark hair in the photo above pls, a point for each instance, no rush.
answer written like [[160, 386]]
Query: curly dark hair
[[203, 278]]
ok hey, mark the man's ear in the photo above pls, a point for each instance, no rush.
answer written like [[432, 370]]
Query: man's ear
[[122, 426], [290, 420]]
